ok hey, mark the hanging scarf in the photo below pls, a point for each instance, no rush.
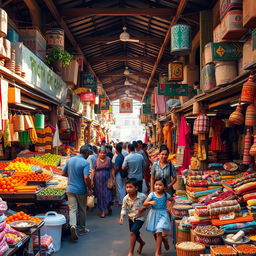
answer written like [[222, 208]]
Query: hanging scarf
[[100, 165]]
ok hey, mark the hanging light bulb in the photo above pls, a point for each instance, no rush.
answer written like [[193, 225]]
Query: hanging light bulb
[[126, 82], [126, 71]]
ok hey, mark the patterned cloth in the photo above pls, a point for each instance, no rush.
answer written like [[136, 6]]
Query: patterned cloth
[[102, 174], [131, 207], [166, 172], [201, 124]]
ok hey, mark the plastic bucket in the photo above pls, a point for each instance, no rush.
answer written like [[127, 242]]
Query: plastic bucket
[[53, 227]]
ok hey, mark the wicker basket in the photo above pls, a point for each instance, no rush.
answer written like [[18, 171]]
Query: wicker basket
[[218, 254], [183, 234], [189, 252], [239, 253], [208, 240]]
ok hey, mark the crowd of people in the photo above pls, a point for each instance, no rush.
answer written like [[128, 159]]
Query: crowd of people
[[122, 171]]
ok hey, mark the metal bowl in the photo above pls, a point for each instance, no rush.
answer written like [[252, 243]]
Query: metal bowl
[[19, 227]]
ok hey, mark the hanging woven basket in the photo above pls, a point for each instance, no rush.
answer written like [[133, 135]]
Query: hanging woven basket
[[248, 91], [250, 116], [237, 116]]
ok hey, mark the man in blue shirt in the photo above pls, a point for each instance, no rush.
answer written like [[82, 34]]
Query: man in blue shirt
[[134, 164], [77, 169], [120, 181]]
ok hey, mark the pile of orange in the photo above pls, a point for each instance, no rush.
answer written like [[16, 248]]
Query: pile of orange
[[9, 184], [22, 216], [29, 160], [3, 165], [32, 177]]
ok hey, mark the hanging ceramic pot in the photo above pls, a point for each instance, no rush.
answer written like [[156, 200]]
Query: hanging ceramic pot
[[237, 116], [250, 116], [39, 121], [248, 91], [247, 159], [253, 147]]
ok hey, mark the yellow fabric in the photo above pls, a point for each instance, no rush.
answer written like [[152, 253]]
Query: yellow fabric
[[251, 202]]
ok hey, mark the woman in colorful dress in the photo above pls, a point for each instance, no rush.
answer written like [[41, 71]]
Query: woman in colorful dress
[[101, 173]]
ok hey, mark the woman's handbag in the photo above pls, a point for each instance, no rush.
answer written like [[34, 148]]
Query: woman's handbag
[[90, 201], [110, 183]]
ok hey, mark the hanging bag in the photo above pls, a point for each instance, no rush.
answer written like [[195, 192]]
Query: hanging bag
[[28, 123], [18, 123], [90, 201]]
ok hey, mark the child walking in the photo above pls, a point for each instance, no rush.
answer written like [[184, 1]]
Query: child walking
[[158, 220], [133, 205]]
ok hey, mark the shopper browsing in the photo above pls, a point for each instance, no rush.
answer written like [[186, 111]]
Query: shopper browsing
[[77, 169], [158, 220], [134, 164], [133, 205]]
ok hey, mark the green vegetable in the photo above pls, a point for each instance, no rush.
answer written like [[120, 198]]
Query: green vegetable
[[51, 192], [58, 54]]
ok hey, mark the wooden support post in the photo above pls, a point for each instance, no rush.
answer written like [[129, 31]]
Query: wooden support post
[[206, 34]]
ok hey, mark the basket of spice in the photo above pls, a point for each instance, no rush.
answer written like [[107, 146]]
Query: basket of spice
[[223, 250], [246, 249], [208, 235], [189, 249], [252, 239], [180, 210]]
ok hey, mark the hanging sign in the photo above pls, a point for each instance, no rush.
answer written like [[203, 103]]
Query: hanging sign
[[126, 106], [107, 105], [176, 90], [87, 96], [39, 75], [146, 109], [160, 89], [175, 71], [227, 51], [88, 80]]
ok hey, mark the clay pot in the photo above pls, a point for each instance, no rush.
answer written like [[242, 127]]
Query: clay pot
[[253, 148], [237, 116]]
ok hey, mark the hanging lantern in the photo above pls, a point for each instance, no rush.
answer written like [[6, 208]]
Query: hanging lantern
[[175, 71], [247, 145], [237, 116], [250, 116], [181, 39], [39, 121], [55, 38], [248, 91]]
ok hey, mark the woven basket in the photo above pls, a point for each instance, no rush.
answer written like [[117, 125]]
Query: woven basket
[[208, 240], [218, 254], [189, 252], [183, 235]]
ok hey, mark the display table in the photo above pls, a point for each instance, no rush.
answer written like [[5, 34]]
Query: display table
[[19, 247]]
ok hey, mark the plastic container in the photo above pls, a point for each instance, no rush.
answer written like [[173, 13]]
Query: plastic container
[[53, 227]]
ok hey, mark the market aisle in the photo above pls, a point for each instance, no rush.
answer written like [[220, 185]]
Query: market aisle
[[107, 238]]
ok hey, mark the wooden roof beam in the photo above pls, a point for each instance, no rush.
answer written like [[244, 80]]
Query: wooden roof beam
[[70, 13], [121, 74], [93, 40], [174, 20], [55, 13], [121, 58], [34, 11], [140, 87]]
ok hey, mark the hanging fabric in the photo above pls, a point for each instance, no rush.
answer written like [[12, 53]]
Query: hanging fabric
[[56, 138], [7, 134], [160, 103]]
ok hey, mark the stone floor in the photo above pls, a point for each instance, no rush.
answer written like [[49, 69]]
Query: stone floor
[[107, 238]]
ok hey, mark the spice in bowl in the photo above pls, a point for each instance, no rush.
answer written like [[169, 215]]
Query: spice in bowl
[[246, 248], [223, 250]]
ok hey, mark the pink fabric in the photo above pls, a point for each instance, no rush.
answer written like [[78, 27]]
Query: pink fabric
[[160, 103], [184, 140], [146, 137]]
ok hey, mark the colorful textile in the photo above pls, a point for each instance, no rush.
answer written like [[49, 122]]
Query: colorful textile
[[184, 141], [217, 126], [160, 103], [223, 204], [230, 228], [246, 187], [217, 222], [203, 123], [228, 195], [198, 183], [252, 202], [226, 209]]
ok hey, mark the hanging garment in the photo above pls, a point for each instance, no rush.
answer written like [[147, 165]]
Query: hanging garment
[[217, 127], [56, 138], [160, 103], [184, 142]]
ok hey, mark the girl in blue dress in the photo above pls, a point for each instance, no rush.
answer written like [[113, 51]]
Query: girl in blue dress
[[158, 220]]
